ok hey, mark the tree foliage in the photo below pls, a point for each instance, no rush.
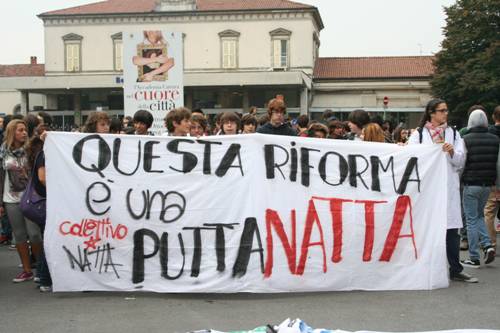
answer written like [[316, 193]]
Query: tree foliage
[[468, 66]]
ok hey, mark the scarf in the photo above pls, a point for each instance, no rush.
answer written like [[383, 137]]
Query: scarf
[[437, 133], [17, 172], [19, 153]]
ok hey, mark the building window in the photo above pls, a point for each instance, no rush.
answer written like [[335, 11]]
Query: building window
[[229, 97], [117, 52], [228, 53], [72, 52], [261, 96], [280, 48], [280, 53], [72, 57], [229, 49]]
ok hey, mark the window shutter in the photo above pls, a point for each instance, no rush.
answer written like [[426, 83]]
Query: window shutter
[[69, 58], [76, 57], [225, 57], [232, 54], [118, 55], [276, 53], [72, 57], [229, 54]]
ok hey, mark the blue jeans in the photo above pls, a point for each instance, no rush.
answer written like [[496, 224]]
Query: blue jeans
[[43, 270], [42, 267], [5, 229], [453, 251], [475, 198]]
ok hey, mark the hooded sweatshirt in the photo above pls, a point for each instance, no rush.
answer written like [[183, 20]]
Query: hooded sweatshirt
[[482, 152]]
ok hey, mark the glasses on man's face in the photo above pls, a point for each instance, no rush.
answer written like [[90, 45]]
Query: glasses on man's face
[[278, 111]]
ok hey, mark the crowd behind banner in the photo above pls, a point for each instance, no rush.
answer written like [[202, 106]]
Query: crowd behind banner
[[472, 157]]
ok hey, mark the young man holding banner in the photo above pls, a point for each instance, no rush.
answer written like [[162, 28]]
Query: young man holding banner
[[143, 120], [276, 110], [434, 129], [178, 122]]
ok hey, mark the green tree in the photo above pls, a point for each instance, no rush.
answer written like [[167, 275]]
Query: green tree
[[468, 66]]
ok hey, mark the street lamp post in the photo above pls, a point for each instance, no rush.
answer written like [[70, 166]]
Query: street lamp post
[[386, 104]]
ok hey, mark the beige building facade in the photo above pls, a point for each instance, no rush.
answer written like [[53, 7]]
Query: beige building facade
[[237, 54]]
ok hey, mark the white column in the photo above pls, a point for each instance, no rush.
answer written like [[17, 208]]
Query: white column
[[78, 109], [304, 101], [188, 95], [246, 100], [25, 101]]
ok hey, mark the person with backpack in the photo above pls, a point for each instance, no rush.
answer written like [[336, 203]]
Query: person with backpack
[[13, 181], [36, 161], [491, 209], [479, 178], [434, 129]]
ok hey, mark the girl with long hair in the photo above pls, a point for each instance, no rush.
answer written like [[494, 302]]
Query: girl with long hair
[[13, 180]]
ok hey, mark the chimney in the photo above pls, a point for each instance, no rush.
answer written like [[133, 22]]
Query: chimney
[[175, 5], [33, 60]]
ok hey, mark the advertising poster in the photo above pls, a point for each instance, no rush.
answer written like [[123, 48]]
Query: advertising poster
[[153, 74]]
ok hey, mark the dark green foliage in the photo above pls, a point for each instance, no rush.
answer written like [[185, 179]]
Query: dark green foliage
[[468, 66]]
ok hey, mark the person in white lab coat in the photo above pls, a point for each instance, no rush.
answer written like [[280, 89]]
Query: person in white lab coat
[[434, 129]]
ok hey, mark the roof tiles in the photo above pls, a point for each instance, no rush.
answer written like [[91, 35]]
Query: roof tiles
[[22, 70], [147, 6], [326, 68], [374, 67]]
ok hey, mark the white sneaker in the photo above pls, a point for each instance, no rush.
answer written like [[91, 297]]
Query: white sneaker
[[45, 289], [489, 255]]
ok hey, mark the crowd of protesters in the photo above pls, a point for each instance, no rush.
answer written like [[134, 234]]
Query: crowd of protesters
[[472, 161]]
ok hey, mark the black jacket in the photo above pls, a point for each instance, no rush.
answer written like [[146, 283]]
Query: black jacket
[[284, 129], [494, 129], [482, 153]]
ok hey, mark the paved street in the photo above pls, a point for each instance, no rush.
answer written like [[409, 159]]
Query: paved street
[[462, 305]]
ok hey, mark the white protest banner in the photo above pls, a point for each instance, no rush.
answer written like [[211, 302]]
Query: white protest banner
[[153, 74], [246, 213]]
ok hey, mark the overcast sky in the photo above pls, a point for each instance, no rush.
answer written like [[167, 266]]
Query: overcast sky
[[352, 27]]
